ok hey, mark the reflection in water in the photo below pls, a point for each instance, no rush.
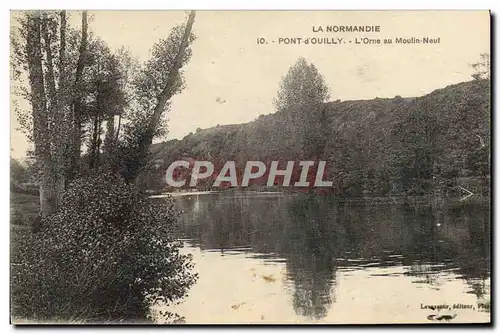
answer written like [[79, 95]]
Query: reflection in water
[[317, 239], [313, 244]]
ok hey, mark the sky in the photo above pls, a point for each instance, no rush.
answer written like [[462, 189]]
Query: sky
[[229, 66]]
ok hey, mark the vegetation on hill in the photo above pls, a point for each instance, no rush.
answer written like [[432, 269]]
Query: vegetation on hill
[[373, 147]]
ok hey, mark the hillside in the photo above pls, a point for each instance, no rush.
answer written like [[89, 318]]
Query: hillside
[[377, 147]]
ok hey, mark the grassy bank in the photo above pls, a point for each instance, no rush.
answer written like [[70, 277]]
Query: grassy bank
[[23, 208]]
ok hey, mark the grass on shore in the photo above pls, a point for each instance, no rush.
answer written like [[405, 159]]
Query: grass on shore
[[23, 208]]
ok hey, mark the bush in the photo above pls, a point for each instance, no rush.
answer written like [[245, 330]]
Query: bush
[[106, 256]]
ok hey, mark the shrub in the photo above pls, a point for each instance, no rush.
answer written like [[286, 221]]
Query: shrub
[[107, 255]]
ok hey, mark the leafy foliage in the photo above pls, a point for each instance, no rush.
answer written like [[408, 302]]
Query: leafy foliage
[[151, 80], [374, 147], [303, 86], [17, 171], [301, 93], [108, 254], [482, 68], [149, 83]]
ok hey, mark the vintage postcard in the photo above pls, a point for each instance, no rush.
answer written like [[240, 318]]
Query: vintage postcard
[[250, 167]]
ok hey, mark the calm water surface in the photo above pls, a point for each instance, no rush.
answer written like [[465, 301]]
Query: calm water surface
[[275, 258]]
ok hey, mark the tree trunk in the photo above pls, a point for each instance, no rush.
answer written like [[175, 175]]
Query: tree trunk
[[94, 144], [98, 143], [62, 50], [58, 127], [77, 103], [96, 131], [40, 119], [118, 128], [109, 140], [51, 81], [65, 98], [48, 192]]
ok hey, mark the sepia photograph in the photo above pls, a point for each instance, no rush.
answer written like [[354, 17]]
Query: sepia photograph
[[230, 167]]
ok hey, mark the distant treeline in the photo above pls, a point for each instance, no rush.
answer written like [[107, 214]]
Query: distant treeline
[[379, 147]]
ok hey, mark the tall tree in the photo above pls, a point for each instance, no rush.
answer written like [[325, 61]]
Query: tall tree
[[302, 87], [76, 142], [41, 132], [300, 96], [43, 49], [157, 82], [56, 83]]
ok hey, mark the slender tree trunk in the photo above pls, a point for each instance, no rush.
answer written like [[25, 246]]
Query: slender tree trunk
[[98, 143], [51, 81], [118, 128], [62, 50], [94, 142], [77, 103], [96, 131], [65, 98], [58, 127], [109, 140], [40, 117], [64, 112]]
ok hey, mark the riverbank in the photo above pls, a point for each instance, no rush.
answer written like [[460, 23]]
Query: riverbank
[[396, 200]]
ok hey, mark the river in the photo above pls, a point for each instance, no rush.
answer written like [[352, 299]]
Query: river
[[276, 258]]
